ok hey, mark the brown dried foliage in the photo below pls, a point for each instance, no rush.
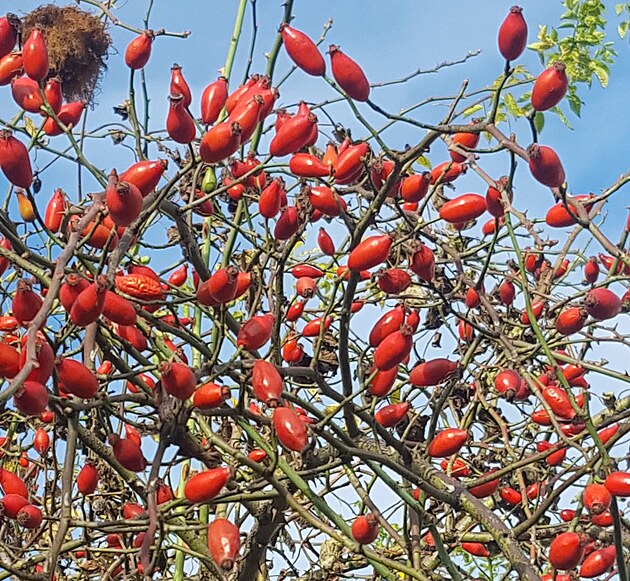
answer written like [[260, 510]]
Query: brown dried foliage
[[77, 43]]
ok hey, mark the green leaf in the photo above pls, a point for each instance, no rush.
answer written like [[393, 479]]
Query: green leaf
[[539, 121], [601, 71], [562, 117], [29, 126], [618, 9], [512, 106], [472, 110], [424, 162]]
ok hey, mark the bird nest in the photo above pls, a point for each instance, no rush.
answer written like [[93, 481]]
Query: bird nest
[[78, 45]]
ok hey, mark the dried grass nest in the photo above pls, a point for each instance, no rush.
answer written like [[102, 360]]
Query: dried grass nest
[[78, 44]]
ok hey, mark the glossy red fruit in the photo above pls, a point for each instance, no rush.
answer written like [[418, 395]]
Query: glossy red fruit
[[35, 55], [31, 399], [26, 94], [591, 270], [53, 94], [472, 298], [447, 442], [247, 115], [71, 288], [463, 208], [394, 349], [365, 529], [507, 292], [12, 504], [513, 34], [596, 498], [203, 487], [69, 116], [8, 33], [510, 495], [415, 187], [180, 125], [179, 85], [89, 304], [87, 479], [392, 414], [467, 140], [618, 483], [605, 519], [118, 309], [132, 510], [293, 135], [348, 74], [422, 262], [41, 441], [138, 51], [30, 517], [14, 161], [393, 281], [238, 94], [447, 172], [267, 383], [602, 304], [128, 453], [304, 269], [325, 242], [570, 320], [508, 383], [477, 549], [124, 202], [223, 284], [145, 175], [314, 326], [559, 402], [598, 562], [213, 100], [12, 484], [459, 468], [561, 215], [76, 378], [369, 253], [566, 550], [550, 87], [383, 381], [537, 309], [55, 211], [327, 201], [432, 372], [306, 165], [290, 429], [210, 395], [545, 165], [295, 311], [350, 164], [224, 542], [305, 287], [607, 433], [270, 200], [255, 332], [177, 379], [26, 302], [288, 224], [9, 361], [487, 489], [220, 142], [303, 51], [465, 331], [10, 67]]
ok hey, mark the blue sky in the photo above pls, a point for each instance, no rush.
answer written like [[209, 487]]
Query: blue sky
[[389, 41]]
